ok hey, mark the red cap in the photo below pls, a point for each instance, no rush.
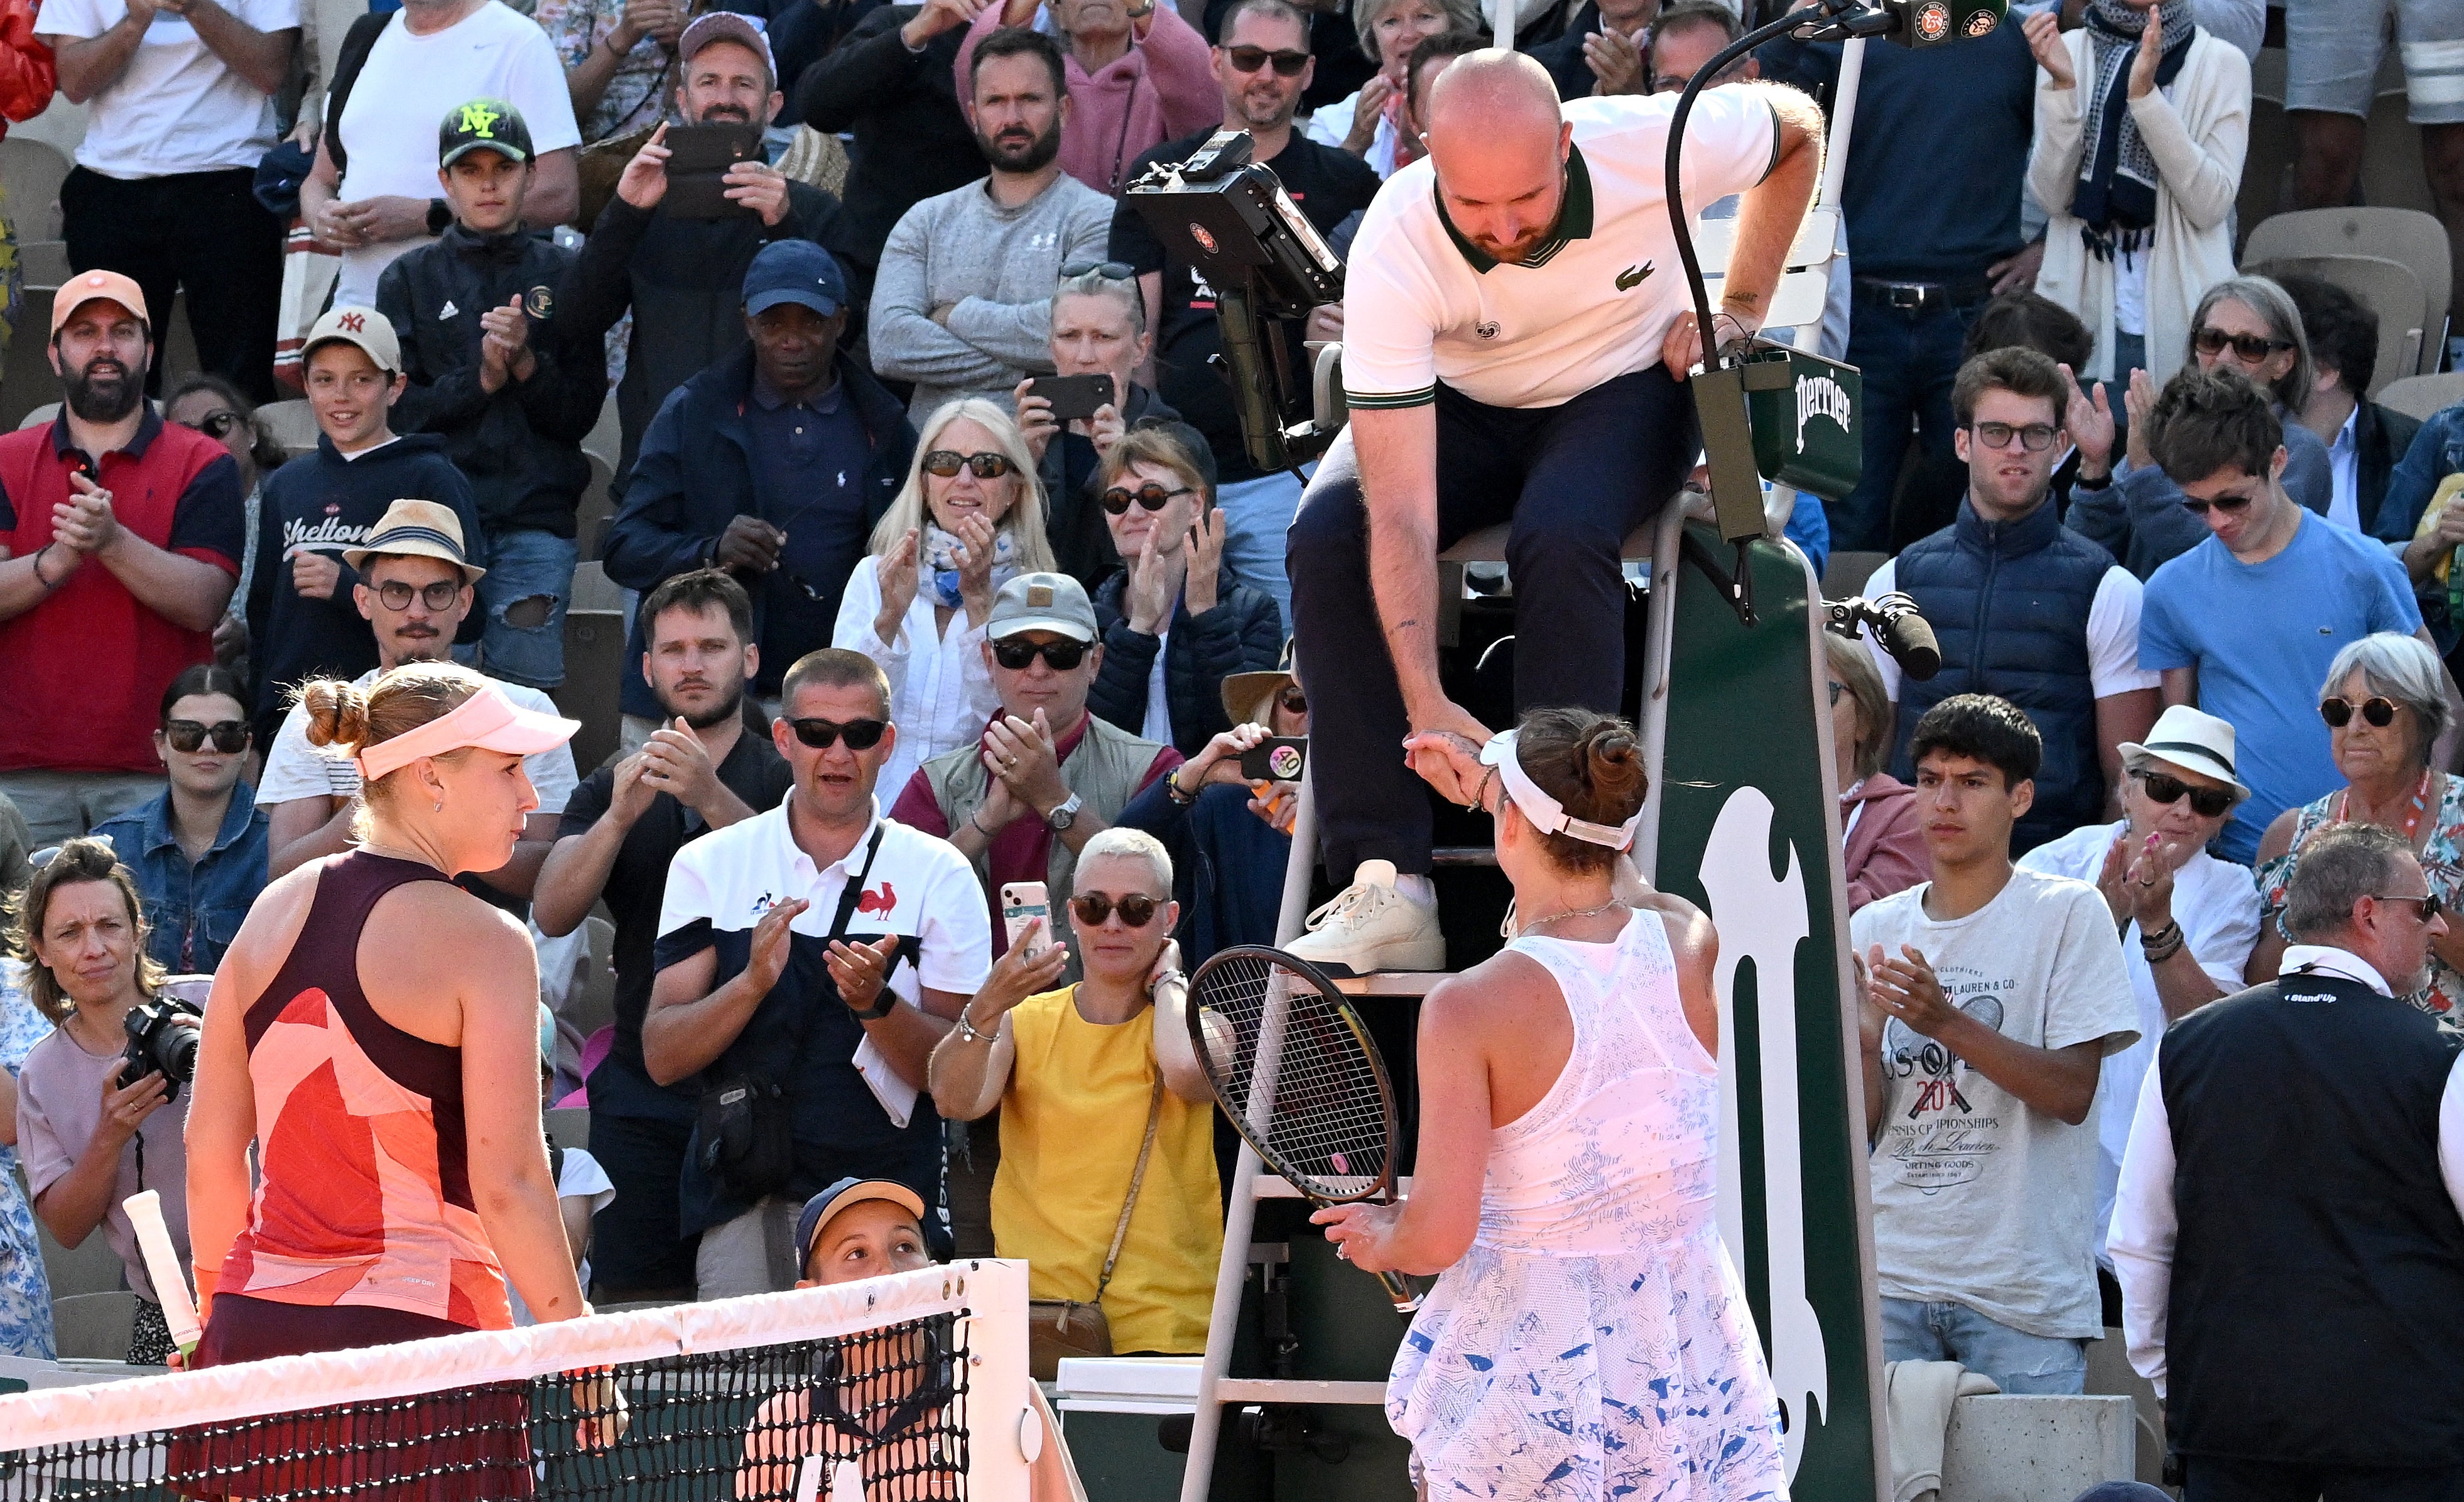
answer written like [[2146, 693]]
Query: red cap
[[87, 286]]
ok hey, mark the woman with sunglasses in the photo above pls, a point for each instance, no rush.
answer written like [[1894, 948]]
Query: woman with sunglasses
[[211, 405], [1099, 1093], [1881, 831], [969, 519], [2246, 324], [1099, 328], [199, 850], [2385, 703], [1174, 624]]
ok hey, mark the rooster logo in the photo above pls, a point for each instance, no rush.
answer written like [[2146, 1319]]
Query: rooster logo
[[881, 901]]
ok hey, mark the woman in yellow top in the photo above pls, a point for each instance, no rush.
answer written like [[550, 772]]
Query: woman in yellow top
[[1078, 1074]]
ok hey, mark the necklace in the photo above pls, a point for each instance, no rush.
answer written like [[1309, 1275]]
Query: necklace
[[1556, 917], [2413, 815]]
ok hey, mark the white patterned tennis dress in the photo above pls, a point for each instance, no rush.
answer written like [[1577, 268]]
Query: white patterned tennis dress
[[1594, 1344]]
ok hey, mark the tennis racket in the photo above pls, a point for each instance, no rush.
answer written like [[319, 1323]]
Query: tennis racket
[[1293, 1067]]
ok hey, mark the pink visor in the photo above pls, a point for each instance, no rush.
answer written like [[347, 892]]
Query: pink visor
[[487, 720]]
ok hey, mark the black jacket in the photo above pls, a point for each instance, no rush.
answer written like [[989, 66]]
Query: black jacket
[[1563, 57], [912, 138], [1074, 518], [520, 448], [695, 474], [2381, 436], [684, 282], [1243, 633]]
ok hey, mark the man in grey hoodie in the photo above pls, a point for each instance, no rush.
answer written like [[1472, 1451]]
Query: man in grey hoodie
[[962, 305]]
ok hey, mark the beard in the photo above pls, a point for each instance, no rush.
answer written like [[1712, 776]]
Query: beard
[[1014, 151], [103, 391], [718, 715], [726, 109]]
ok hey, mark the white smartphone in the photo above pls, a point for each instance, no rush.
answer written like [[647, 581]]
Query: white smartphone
[[1023, 903]]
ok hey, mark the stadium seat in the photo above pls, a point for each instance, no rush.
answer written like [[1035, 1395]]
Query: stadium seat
[[590, 518], [2421, 396], [44, 262], [29, 382], [31, 173], [2409, 237], [1487, 545], [594, 655], [570, 1128], [292, 424], [90, 1268], [594, 590], [93, 1327], [1846, 573], [2388, 288]]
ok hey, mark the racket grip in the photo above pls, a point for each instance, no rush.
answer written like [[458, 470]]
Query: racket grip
[[144, 1210], [1405, 1300]]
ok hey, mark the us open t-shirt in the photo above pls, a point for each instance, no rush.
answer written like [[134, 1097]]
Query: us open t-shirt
[[1979, 1199], [1422, 304]]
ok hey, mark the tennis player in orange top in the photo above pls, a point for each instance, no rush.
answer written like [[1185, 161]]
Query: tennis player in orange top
[[373, 1031]]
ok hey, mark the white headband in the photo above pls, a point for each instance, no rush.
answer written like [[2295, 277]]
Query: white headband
[[1544, 812]]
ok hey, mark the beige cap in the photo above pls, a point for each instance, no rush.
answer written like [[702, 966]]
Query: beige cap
[[372, 331], [415, 529]]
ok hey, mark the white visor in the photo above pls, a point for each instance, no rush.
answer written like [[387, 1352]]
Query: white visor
[[1545, 813]]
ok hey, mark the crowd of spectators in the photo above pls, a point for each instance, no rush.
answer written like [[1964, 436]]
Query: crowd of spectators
[[907, 634]]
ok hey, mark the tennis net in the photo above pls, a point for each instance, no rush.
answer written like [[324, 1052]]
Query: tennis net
[[905, 1388]]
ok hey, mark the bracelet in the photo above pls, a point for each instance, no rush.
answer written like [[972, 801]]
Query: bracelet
[[49, 584], [976, 820], [886, 1004], [1480, 795], [1172, 789], [967, 1030], [2163, 944]]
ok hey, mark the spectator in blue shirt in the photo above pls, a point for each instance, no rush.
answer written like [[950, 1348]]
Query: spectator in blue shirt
[[198, 850], [2245, 624]]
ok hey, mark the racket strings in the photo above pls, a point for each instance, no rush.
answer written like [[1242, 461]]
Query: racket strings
[[1310, 1089]]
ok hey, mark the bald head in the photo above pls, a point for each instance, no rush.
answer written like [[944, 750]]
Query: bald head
[[1498, 142]]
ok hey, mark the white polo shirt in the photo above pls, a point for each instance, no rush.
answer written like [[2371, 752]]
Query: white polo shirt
[[176, 107], [1423, 305], [920, 888]]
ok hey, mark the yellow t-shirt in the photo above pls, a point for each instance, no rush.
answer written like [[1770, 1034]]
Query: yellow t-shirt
[[1071, 1121]]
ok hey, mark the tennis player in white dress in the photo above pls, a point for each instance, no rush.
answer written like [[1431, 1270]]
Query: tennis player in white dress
[[1587, 1338]]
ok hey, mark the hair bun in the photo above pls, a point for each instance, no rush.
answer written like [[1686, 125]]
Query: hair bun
[[337, 713], [1613, 764]]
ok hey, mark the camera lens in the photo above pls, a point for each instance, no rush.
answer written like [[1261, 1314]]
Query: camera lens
[[175, 1050]]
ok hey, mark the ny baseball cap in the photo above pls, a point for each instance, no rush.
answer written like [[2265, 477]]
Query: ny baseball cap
[[1041, 603], [820, 1207], [98, 286], [415, 529], [365, 327], [490, 124], [727, 26], [794, 271]]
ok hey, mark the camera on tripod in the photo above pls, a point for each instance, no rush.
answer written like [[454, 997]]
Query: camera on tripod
[[157, 1041]]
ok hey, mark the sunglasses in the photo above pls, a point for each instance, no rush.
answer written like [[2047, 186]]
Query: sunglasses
[[1151, 496], [438, 595], [1138, 910], [1249, 59], [1292, 701], [2035, 437], [186, 735], [862, 735], [1109, 271], [2208, 803], [214, 425], [1019, 655], [947, 462], [2248, 347], [2338, 710], [2430, 906], [2199, 508]]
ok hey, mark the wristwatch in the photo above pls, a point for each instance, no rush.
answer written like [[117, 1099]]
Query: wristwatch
[[440, 215], [1065, 815]]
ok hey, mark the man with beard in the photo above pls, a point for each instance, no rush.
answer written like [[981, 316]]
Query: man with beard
[[416, 586], [709, 766], [120, 544], [1263, 66], [773, 464], [964, 304], [681, 276]]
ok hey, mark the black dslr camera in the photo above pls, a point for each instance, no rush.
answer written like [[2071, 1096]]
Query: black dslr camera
[[157, 1041], [1229, 219]]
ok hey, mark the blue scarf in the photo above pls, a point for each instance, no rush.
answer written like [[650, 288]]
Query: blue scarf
[[940, 562], [2116, 201]]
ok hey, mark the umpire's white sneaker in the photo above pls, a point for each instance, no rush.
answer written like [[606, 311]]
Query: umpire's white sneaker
[[1372, 926]]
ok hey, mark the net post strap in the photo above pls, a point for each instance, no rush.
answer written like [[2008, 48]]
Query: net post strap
[[990, 1294]]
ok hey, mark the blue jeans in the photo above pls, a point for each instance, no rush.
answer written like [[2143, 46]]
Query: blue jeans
[[525, 591], [2017, 1361], [1909, 358], [1256, 515]]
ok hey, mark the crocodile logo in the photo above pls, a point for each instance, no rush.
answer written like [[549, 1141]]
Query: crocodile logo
[[1631, 276]]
